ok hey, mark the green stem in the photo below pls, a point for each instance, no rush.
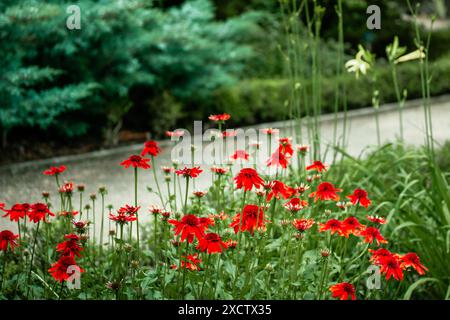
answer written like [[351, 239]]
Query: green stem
[[102, 223], [136, 204], [157, 184], [32, 258], [184, 272], [186, 196]]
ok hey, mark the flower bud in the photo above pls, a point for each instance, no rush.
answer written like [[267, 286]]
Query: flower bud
[[325, 253]]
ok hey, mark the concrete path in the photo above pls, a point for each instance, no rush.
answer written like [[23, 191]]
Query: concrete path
[[25, 182]]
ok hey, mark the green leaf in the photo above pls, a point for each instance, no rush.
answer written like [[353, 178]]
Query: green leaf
[[414, 286]]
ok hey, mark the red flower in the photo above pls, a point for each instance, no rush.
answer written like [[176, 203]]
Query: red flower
[[317, 165], [412, 260], [303, 224], [155, 210], [351, 225], [7, 238], [151, 147], [39, 212], [80, 225], [129, 210], [219, 117], [70, 247], [189, 172], [343, 291], [252, 218], [277, 189], [176, 133], [122, 217], [333, 225], [189, 226], [2, 205], [54, 171], [219, 171], [17, 211], [211, 243], [370, 234], [325, 191], [285, 146], [295, 204], [302, 149], [199, 194], [206, 222], [247, 178], [168, 170], [67, 188], [359, 196], [379, 254], [136, 162], [68, 213], [191, 262], [390, 266], [270, 131], [240, 154], [278, 159], [376, 219], [59, 269]]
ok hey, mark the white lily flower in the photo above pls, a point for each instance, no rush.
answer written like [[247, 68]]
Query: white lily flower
[[357, 65]]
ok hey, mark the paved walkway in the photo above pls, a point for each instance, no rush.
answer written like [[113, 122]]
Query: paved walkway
[[25, 183]]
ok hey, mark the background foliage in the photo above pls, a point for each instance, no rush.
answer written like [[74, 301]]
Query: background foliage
[[146, 65]]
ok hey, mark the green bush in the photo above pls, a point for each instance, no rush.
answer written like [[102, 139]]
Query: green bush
[[267, 99], [50, 72]]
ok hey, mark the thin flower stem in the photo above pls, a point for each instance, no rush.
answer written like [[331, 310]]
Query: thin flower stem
[[18, 227], [186, 195], [32, 258], [184, 272], [237, 251], [175, 190], [217, 275], [81, 205], [93, 219], [102, 223], [157, 183], [205, 275], [136, 204], [169, 194], [156, 240], [399, 99]]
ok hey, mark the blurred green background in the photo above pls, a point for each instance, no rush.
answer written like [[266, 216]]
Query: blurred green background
[[149, 66]]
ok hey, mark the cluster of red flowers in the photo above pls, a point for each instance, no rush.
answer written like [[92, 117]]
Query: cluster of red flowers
[[351, 225], [68, 250], [393, 264], [36, 212], [125, 214], [191, 227]]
